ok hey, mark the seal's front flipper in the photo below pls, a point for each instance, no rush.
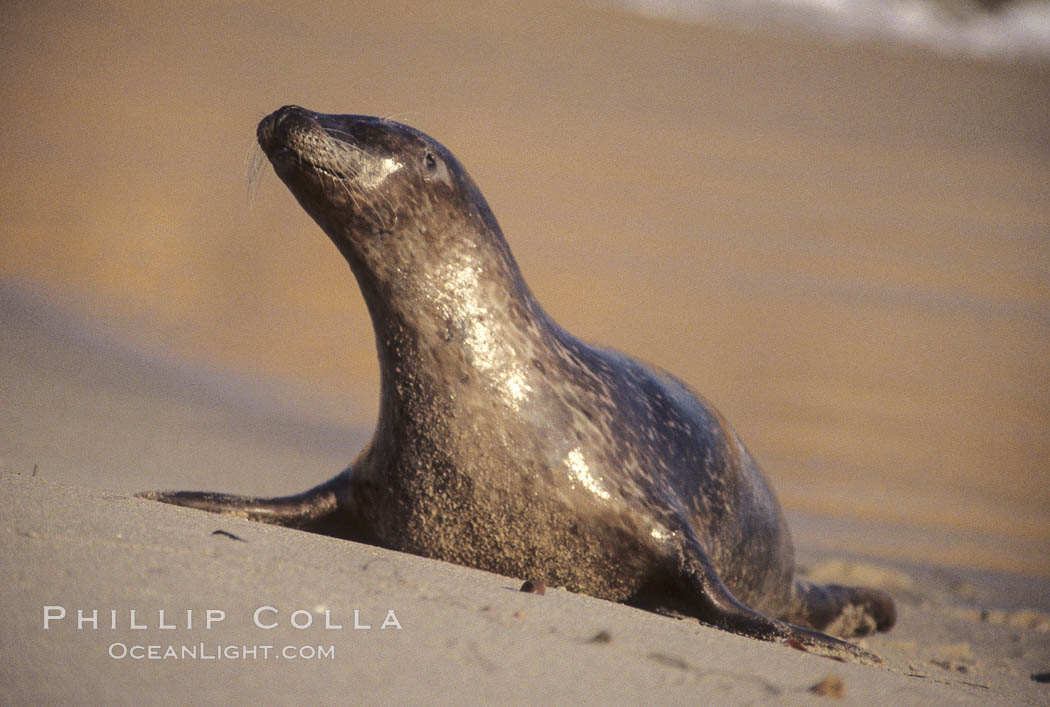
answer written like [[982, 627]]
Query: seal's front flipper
[[315, 510], [713, 603]]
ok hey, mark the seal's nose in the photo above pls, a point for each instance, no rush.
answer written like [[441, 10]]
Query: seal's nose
[[275, 128]]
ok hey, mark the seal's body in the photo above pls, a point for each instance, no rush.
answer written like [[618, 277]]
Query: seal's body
[[504, 443]]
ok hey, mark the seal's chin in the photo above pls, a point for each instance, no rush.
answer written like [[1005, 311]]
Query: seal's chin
[[337, 202]]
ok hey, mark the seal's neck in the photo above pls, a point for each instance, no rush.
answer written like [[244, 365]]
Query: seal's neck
[[456, 320]]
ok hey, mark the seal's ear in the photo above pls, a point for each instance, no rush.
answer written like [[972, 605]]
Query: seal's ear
[[435, 169]]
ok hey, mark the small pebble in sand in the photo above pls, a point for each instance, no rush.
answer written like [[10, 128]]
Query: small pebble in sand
[[534, 587], [601, 637], [831, 686]]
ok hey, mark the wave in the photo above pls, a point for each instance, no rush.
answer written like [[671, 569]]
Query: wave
[[995, 29]]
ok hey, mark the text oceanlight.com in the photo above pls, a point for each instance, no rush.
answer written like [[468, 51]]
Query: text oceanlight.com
[[203, 651]]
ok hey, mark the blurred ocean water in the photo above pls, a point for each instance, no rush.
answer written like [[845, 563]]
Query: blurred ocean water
[[994, 29]]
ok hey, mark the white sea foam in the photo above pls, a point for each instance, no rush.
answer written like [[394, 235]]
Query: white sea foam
[[1019, 30]]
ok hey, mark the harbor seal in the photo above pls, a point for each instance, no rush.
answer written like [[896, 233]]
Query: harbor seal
[[506, 444]]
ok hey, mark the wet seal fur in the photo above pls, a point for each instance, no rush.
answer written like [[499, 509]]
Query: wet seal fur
[[506, 444]]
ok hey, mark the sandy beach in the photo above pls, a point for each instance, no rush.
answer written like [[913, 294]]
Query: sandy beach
[[845, 247]]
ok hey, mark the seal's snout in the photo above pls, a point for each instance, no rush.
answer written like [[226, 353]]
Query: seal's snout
[[275, 129]]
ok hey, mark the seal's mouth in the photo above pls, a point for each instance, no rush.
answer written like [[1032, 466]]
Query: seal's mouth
[[330, 168], [327, 171]]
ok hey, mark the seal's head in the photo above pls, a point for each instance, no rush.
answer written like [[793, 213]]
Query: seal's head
[[385, 193], [431, 261]]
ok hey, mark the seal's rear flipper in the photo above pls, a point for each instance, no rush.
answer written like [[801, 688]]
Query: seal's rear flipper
[[317, 510], [713, 603], [843, 611]]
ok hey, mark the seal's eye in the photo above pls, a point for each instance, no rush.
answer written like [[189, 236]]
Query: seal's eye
[[435, 169]]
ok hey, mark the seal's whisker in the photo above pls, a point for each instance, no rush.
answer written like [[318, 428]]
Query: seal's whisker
[[388, 206], [393, 211], [347, 143], [401, 117], [346, 187], [353, 194], [255, 159], [378, 215]]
